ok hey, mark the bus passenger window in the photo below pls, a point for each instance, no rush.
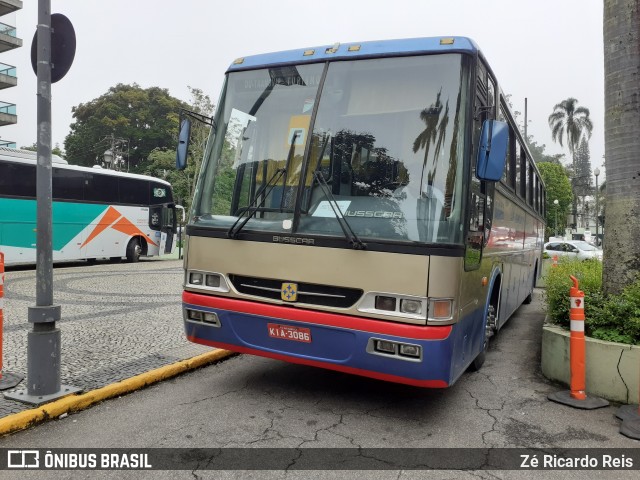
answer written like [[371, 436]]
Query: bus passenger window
[[475, 236], [168, 219], [491, 96]]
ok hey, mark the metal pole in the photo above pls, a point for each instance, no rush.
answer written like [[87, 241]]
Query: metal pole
[[526, 138], [44, 266], [597, 212], [43, 342], [44, 377]]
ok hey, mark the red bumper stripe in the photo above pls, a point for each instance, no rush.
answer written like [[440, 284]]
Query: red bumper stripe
[[330, 366], [417, 332]]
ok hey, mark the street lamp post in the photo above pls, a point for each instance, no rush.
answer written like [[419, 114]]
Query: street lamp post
[[555, 202], [596, 172], [108, 158]]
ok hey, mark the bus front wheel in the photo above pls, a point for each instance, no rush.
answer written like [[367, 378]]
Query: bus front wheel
[[482, 356], [133, 250], [529, 297]]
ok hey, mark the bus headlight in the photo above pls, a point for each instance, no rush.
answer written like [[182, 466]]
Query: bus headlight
[[385, 303], [409, 350], [199, 316], [413, 307], [385, 346], [213, 281], [394, 350], [195, 315]]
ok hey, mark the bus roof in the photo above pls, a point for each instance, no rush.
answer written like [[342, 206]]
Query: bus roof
[[349, 51], [10, 153], [29, 156]]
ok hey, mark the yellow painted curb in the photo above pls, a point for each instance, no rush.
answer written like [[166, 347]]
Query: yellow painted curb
[[73, 403]]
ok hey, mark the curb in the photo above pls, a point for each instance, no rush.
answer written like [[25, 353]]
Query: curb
[[611, 368], [73, 403]]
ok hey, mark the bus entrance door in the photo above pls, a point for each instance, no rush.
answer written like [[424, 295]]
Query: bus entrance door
[[168, 229]]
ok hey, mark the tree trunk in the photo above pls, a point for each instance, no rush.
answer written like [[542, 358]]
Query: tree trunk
[[622, 143]]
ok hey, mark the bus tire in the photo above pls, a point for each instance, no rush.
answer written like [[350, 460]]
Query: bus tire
[[529, 297], [492, 314], [133, 250], [480, 358]]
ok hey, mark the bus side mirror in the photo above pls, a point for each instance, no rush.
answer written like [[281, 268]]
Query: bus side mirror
[[492, 151], [183, 144]]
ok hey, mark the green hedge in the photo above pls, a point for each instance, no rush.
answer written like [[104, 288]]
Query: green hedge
[[615, 319]]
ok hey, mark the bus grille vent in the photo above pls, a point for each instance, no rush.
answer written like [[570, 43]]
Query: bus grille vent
[[309, 293]]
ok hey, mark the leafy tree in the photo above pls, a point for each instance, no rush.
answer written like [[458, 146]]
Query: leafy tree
[[537, 151], [161, 161], [147, 118], [161, 164], [202, 104], [558, 188], [582, 184], [622, 143], [571, 123], [539, 155]]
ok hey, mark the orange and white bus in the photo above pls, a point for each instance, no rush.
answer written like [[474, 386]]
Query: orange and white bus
[[97, 213]]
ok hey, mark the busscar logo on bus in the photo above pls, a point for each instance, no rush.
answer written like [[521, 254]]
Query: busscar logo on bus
[[374, 214], [293, 240]]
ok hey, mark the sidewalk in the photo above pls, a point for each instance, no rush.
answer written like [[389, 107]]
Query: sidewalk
[[119, 320]]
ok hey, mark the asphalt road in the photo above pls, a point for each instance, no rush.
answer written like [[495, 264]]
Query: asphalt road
[[254, 402]]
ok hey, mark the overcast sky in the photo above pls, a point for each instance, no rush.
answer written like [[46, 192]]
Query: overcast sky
[[545, 50]]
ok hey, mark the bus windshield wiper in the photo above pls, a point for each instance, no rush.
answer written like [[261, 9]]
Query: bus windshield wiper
[[355, 242], [253, 208]]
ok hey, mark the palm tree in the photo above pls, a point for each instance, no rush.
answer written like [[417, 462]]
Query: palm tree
[[622, 143], [573, 124]]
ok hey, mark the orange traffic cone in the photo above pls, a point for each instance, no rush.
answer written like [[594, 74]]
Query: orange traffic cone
[[577, 397]]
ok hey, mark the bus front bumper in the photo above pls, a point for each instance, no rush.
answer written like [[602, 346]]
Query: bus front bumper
[[326, 340]]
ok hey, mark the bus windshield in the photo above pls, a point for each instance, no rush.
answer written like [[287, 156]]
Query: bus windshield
[[386, 136]]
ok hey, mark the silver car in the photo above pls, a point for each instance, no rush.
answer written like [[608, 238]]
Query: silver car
[[572, 249]]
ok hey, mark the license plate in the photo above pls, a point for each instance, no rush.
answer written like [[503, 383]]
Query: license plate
[[287, 332]]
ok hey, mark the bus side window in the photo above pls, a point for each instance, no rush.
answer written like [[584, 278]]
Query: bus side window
[[476, 234], [488, 189], [155, 217], [168, 219], [18, 179]]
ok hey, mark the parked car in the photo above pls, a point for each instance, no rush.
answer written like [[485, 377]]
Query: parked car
[[573, 249]]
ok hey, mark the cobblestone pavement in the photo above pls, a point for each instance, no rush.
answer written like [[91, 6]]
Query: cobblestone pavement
[[118, 320]]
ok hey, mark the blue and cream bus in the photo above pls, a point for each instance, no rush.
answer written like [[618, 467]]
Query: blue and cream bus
[[97, 213], [369, 208]]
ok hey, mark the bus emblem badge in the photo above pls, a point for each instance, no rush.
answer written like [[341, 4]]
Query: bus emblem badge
[[289, 292]]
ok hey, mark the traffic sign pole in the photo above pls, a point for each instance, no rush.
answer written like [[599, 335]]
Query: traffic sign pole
[[43, 342]]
